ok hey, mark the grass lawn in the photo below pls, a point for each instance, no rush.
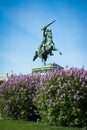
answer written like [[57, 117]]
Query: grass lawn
[[25, 125]]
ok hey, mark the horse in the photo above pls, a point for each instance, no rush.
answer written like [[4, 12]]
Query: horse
[[43, 54], [46, 48]]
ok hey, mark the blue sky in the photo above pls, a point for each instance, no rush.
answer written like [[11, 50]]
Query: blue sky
[[20, 22]]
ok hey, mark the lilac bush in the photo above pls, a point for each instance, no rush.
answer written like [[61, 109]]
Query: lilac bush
[[62, 97], [58, 97], [16, 97]]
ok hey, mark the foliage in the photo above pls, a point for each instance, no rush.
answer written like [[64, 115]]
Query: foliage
[[1, 81], [59, 97], [16, 96], [62, 97]]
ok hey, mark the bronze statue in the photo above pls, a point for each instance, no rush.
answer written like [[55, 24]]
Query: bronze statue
[[47, 45]]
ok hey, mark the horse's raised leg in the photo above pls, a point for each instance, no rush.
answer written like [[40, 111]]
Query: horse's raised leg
[[35, 56]]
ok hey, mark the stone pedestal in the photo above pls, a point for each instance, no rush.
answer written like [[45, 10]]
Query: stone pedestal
[[45, 68]]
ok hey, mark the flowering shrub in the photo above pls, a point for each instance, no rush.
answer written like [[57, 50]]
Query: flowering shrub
[[62, 97], [59, 97], [16, 96]]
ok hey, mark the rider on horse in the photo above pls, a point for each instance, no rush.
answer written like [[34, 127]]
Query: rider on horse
[[46, 34], [47, 45]]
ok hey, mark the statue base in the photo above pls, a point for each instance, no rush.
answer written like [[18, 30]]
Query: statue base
[[45, 68]]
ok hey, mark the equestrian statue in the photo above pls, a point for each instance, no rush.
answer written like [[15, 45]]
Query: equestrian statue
[[47, 46]]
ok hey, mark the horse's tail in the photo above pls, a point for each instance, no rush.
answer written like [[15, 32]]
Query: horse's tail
[[35, 56], [59, 51]]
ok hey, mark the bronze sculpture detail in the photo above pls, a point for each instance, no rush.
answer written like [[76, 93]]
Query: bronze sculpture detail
[[47, 45]]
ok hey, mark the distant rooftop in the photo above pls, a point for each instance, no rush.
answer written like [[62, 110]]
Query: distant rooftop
[[4, 76]]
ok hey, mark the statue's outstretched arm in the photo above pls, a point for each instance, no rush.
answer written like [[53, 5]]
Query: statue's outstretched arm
[[45, 27], [48, 25], [59, 51], [44, 30]]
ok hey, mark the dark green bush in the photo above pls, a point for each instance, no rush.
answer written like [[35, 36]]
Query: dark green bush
[[1, 81]]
